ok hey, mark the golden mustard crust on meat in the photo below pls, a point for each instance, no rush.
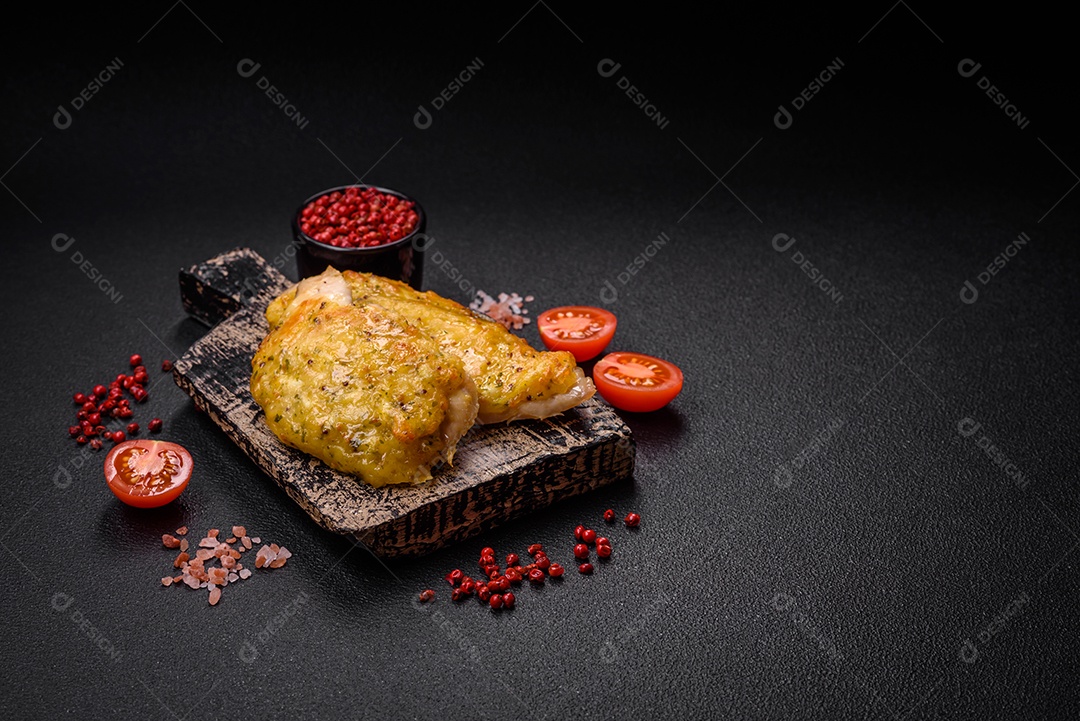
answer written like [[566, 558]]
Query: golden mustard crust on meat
[[513, 379], [360, 388]]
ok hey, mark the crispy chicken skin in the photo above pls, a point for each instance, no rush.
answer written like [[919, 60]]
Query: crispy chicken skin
[[358, 386], [514, 380]]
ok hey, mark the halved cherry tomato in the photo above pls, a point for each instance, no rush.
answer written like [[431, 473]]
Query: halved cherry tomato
[[637, 382], [147, 474], [581, 329]]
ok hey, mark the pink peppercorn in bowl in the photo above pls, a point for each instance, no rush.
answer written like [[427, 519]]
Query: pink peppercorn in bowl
[[365, 228]]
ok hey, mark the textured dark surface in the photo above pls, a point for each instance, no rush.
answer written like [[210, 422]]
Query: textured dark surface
[[501, 472], [819, 539]]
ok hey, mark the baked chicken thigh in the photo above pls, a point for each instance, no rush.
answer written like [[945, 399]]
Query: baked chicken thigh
[[514, 380], [358, 386]]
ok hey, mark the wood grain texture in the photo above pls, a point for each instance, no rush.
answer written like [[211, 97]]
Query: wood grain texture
[[499, 473], [215, 289]]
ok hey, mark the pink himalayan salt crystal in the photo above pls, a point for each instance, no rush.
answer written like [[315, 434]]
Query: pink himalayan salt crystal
[[283, 555]]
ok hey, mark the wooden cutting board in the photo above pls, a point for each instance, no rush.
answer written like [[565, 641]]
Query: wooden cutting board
[[500, 472]]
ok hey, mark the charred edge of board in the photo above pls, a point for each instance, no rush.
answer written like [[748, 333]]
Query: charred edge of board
[[546, 481], [213, 290]]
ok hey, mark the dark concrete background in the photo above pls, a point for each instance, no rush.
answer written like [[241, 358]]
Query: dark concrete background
[[823, 533]]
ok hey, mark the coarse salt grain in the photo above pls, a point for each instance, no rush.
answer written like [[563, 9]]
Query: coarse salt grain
[[196, 574], [283, 555], [509, 309]]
